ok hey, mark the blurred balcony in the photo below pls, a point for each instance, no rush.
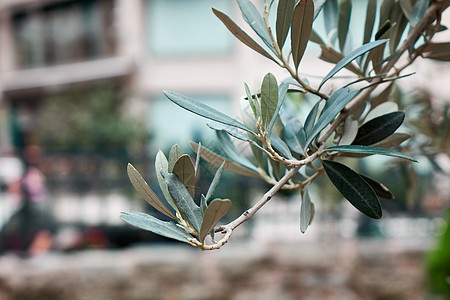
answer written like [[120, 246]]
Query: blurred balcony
[[60, 75]]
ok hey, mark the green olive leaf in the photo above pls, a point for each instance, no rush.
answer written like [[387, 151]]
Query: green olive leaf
[[188, 209], [379, 128], [147, 222], [305, 211], [301, 29], [354, 188], [185, 170], [241, 35], [146, 192], [215, 211], [269, 99]]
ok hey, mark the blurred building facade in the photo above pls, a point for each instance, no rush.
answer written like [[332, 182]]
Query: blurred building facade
[[140, 48]]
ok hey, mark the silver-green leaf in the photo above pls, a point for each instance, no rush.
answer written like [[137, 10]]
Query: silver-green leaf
[[161, 163], [188, 209], [369, 150], [269, 99], [204, 110], [215, 182], [146, 192], [285, 10], [143, 221], [337, 101], [305, 211], [253, 18], [350, 57], [185, 170], [216, 210]]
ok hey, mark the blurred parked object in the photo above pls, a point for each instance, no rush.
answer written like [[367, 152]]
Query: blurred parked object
[[30, 228]]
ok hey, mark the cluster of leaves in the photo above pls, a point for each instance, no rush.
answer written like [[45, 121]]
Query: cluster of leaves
[[290, 153], [176, 178]]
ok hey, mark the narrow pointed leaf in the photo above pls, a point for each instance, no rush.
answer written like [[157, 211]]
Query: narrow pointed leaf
[[269, 99], [354, 188], [350, 57], [241, 35], [311, 119], [175, 153], [305, 211], [197, 160], [407, 7], [318, 5], [301, 29], [370, 20], [333, 100], [185, 170], [438, 51], [216, 210], [285, 11], [345, 10], [330, 55], [253, 105], [238, 135], [418, 12], [203, 204], [393, 140], [383, 30], [400, 24], [215, 182], [216, 160], [330, 13], [146, 192], [379, 189], [161, 163], [295, 136], [253, 18], [339, 102], [282, 91], [379, 128], [203, 110], [188, 209], [315, 37], [377, 58], [369, 150], [349, 132], [147, 222], [281, 146], [386, 8], [230, 150]]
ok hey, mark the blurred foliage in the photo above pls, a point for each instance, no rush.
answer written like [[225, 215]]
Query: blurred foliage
[[89, 121], [438, 263]]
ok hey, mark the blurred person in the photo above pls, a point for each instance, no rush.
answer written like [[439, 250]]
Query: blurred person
[[30, 229]]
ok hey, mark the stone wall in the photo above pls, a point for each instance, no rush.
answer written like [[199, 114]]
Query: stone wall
[[344, 269]]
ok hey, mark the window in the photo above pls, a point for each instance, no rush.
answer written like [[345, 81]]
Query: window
[[180, 27], [170, 124], [63, 33]]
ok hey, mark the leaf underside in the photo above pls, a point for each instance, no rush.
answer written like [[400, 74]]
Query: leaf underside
[[216, 210], [146, 192], [147, 222]]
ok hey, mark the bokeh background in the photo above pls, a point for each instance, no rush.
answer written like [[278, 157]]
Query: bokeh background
[[81, 96]]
